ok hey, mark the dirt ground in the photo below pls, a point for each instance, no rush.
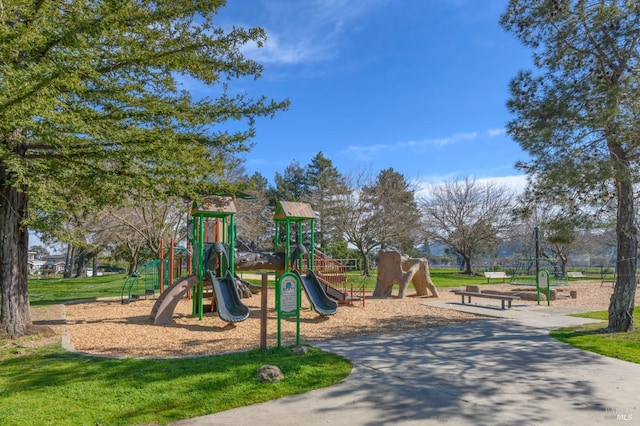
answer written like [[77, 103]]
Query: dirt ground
[[111, 328]]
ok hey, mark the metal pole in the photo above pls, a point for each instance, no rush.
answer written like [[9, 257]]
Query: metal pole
[[161, 268], [535, 231], [263, 312], [312, 248]]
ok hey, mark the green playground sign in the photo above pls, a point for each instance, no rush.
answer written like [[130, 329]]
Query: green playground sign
[[543, 281], [288, 301]]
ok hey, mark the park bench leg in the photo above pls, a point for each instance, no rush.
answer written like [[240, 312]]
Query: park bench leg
[[502, 300]]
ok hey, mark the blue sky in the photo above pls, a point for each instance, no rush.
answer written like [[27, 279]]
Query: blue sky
[[417, 85]]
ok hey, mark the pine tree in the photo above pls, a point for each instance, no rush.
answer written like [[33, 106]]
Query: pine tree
[[93, 103], [577, 116], [324, 185]]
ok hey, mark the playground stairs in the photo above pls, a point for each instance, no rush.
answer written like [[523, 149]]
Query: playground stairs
[[333, 275]]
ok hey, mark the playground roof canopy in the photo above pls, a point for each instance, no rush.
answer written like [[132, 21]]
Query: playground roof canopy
[[216, 204], [294, 210]]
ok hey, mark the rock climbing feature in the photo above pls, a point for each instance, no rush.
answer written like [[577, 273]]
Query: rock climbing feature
[[394, 268]]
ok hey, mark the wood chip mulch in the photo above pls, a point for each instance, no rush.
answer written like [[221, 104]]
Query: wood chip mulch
[[110, 328]]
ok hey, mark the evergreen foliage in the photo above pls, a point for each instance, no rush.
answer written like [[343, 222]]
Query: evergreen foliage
[[94, 102], [577, 116]]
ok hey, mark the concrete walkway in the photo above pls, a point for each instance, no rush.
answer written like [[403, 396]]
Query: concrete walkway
[[499, 371]]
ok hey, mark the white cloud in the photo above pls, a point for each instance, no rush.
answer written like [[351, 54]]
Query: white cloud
[[459, 137], [304, 32], [280, 50], [496, 132], [517, 183], [368, 151]]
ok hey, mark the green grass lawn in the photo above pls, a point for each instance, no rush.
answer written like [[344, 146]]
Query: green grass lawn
[[47, 291], [593, 338], [49, 386], [45, 385], [441, 277]]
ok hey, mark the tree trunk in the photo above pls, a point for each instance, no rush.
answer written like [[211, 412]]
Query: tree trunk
[[15, 316], [622, 300], [563, 264], [95, 264], [134, 251], [81, 263], [366, 264], [68, 266], [467, 264]]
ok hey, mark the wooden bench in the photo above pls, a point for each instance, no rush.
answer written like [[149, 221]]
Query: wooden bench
[[495, 274], [575, 275], [502, 298]]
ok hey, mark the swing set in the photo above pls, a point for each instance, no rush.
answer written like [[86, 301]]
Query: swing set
[[527, 268]]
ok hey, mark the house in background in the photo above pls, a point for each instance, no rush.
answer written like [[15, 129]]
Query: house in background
[[56, 263], [35, 266]]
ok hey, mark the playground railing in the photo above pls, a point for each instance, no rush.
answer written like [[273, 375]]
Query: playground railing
[[127, 287], [331, 271], [333, 274], [141, 283]]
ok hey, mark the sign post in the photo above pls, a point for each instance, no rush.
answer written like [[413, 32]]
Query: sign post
[[288, 301]]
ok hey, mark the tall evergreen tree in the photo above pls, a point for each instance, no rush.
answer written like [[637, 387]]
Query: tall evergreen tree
[[379, 213], [324, 185], [391, 200], [291, 185], [577, 115], [91, 103]]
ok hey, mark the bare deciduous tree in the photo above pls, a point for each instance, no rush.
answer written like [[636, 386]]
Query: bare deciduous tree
[[469, 216]]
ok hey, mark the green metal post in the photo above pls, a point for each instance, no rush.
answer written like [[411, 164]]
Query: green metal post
[[232, 243], [194, 260], [201, 269], [300, 241], [313, 244], [278, 312], [299, 295], [287, 246]]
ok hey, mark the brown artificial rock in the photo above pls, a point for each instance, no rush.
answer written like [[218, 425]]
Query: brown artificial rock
[[394, 268]]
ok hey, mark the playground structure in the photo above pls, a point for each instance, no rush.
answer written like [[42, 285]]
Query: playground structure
[[215, 263], [153, 276], [528, 268], [299, 259], [394, 268], [212, 235]]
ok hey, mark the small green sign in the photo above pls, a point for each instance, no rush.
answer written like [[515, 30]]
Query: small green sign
[[288, 295], [542, 283], [288, 301]]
